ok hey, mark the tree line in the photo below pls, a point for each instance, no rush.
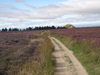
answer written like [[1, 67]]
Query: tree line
[[31, 28]]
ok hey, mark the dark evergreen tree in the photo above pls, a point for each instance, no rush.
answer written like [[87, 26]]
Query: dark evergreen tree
[[4, 29], [29, 28], [53, 27], [10, 29], [15, 29]]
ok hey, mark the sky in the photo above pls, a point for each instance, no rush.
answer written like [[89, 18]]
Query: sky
[[32, 13]]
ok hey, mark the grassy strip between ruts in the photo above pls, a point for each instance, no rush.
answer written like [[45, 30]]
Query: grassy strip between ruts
[[85, 51], [44, 66]]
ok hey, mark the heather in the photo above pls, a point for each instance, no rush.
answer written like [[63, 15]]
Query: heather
[[85, 43], [21, 53], [81, 33]]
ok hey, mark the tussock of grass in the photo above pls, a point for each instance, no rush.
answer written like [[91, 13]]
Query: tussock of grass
[[86, 52]]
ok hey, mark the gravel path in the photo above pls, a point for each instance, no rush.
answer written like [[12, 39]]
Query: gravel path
[[66, 63]]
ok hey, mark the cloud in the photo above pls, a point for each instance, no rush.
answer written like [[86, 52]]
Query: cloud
[[10, 20], [28, 15], [31, 6], [74, 7], [78, 7], [19, 0], [86, 11], [7, 6]]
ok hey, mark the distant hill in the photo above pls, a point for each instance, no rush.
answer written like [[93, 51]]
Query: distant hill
[[69, 26]]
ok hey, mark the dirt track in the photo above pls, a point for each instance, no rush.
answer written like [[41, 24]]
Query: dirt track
[[66, 63]]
